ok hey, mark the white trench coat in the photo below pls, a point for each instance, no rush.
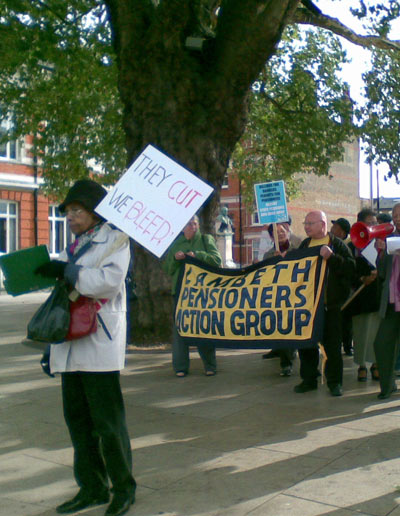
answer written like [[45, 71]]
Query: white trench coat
[[97, 352]]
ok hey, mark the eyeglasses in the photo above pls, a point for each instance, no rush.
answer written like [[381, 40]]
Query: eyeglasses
[[311, 223], [74, 212]]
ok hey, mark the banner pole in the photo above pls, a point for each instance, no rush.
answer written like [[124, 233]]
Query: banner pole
[[276, 240], [350, 299]]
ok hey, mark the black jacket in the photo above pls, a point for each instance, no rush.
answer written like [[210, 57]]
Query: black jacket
[[341, 268], [368, 299]]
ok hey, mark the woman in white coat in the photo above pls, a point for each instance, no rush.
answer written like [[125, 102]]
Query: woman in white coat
[[90, 367]]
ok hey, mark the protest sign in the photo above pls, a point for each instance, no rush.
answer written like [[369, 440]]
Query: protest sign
[[154, 200], [276, 303], [271, 202]]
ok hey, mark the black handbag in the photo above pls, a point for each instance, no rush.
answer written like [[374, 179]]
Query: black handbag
[[51, 321]]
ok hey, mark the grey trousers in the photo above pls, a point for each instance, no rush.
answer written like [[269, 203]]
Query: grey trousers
[[180, 354]]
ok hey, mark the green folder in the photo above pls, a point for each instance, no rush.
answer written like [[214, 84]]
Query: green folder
[[18, 269]]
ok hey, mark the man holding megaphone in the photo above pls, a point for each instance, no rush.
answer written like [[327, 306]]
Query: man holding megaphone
[[341, 266], [386, 343]]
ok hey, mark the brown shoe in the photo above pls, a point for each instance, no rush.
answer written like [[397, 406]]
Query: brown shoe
[[374, 372]]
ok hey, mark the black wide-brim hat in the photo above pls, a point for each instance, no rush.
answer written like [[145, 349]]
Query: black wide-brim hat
[[85, 192]]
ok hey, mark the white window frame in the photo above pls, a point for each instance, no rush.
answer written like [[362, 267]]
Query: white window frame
[[255, 250], [254, 219], [225, 181], [53, 220], [6, 125], [8, 217]]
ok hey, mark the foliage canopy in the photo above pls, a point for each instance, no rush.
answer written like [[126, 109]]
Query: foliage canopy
[[59, 80]]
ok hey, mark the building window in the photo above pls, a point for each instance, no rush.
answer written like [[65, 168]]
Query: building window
[[254, 219], [57, 231], [8, 227], [225, 181], [255, 251], [12, 149]]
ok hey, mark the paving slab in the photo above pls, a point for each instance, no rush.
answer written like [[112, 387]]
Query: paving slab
[[238, 444]]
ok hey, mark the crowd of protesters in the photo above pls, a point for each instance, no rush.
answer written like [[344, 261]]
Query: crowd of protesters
[[366, 328]]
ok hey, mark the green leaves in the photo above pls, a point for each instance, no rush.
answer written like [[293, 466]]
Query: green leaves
[[380, 116], [300, 113], [59, 79], [60, 82]]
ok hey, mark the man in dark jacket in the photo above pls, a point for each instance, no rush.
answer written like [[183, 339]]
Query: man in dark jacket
[[340, 271], [386, 343]]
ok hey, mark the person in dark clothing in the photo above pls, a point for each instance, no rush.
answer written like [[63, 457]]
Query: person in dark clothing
[[386, 343], [383, 217], [363, 310], [341, 229], [340, 272]]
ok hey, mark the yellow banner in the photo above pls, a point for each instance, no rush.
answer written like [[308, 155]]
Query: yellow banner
[[278, 300]]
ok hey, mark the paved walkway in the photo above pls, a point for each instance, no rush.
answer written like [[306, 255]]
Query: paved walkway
[[241, 443]]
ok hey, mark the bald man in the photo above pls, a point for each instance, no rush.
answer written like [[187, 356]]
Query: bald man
[[341, 267]]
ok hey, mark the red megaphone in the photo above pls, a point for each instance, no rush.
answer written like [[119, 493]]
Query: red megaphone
[[361, 234]]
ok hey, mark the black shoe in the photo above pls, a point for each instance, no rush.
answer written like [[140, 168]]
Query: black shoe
[[81, 501], [271, 354], [336, 390], [286, 371], [386, 395], [120, 504], [348, 352], [305, 387]]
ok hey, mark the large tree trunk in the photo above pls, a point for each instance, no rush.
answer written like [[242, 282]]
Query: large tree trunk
[[192, 105]]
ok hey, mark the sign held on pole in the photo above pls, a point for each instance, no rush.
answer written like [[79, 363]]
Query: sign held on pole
[[271, 202]]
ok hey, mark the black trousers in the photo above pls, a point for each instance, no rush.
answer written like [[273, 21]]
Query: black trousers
[[347, 332], [95, 416], [286, 357], [386, 348], [332, 342]]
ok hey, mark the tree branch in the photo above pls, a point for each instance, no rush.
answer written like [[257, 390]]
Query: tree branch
[[280, 106], [306, 17], [246, 36]]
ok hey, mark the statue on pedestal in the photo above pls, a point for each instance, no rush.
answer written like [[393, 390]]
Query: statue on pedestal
[[224, 229], [224, 222]]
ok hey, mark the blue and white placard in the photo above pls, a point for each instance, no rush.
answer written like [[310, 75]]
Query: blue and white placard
[[271, 202]]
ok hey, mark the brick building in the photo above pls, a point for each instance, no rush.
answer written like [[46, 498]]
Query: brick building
[[337, 195], [27, 218]]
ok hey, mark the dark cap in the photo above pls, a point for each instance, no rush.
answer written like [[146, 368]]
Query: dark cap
[[86, 192], [343, 223]]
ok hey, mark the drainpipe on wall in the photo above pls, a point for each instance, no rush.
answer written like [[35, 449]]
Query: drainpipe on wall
[[377, 190], [371, 187], [35, 201]]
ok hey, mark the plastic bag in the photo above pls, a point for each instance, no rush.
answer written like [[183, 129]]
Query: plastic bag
[[51, 321]]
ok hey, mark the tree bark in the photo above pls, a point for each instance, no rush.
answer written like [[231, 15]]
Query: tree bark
[[192, 105]]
